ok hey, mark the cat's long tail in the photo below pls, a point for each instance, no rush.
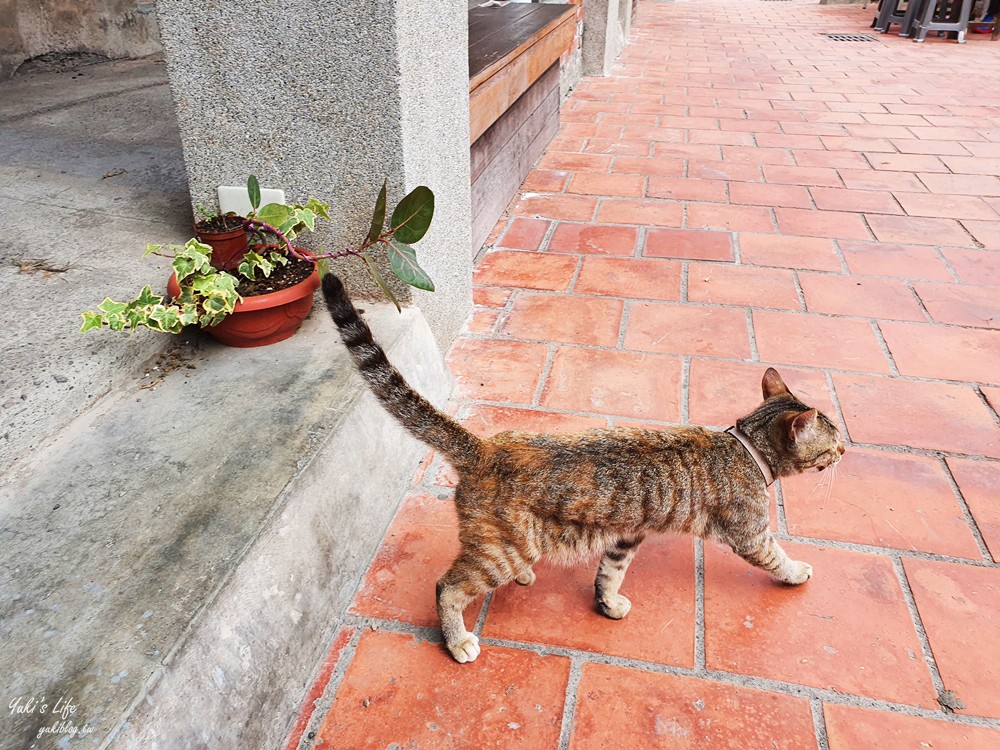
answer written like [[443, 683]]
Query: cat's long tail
[[413, 411]]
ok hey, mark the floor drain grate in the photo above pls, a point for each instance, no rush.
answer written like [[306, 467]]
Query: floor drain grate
[[851, 37]]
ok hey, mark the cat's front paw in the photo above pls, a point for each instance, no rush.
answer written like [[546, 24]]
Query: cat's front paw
[[800, 572], [465, 650], [616, 607], [527, 578]]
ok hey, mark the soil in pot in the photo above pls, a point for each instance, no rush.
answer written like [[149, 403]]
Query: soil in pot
[[218, 224], [281, 277]]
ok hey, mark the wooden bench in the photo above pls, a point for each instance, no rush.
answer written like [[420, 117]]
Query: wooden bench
[[514, 53]]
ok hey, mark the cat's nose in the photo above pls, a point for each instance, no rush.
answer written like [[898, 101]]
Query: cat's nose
[[841, 449]]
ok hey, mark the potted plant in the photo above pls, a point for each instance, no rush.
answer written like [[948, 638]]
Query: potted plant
[[261, 293]]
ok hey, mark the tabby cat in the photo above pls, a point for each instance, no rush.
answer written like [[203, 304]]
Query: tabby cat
[[521, 496]]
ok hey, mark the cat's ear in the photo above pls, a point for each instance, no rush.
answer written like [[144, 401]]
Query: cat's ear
[[773, 385], [803, 426]]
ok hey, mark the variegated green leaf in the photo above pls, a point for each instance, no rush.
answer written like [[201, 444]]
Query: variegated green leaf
[[91, 320], [110, 307], [275, 214], [147, 297]]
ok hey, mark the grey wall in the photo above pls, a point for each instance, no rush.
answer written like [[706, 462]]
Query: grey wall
[[109, 28], [606, 27], [325, 99]]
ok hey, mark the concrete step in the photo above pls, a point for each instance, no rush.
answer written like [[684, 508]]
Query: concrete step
[[176, 544], [174, 561]]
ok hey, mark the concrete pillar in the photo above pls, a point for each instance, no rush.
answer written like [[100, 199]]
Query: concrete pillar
[[326, 99], [606, 26]]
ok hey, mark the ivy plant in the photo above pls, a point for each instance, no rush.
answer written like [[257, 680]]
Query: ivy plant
[[207, 294]]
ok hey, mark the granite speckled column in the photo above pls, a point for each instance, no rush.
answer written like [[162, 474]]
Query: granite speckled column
[[606, 27], [326, 98]]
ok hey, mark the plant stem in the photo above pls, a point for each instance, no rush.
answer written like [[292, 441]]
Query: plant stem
[[255, 225]]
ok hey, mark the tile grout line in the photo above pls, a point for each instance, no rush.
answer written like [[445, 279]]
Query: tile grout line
[[754, 353], [549, 231], [570, 701], [779, 506], [685, 400], [536, 399], [819, 724], [323, 704], [503, 316], [844, 268], [973, 384], [947, 264], [827, 695], [799, 291], [995, 411], [887, 353], [623, 324], [640, 243], [722, 305], [918, 625], [920, 302], [891, 552], [484, 610], [970, 518], [699, 606]]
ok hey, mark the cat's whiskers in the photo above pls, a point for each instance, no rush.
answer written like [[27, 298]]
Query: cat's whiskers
[[829, 486]]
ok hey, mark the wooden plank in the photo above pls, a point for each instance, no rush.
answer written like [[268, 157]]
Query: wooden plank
[[489, 100], [558, 15], [496, 138], [531, 128], [507, 34], [485, 21], [482, 18]]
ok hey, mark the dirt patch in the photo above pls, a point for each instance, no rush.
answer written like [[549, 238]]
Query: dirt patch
[[60, 62], [38, 266]]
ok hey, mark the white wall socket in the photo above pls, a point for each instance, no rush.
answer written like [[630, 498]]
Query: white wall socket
[[238, 199]]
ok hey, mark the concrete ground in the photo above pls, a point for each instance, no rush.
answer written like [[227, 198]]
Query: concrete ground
[[90, 172], [742, 192]]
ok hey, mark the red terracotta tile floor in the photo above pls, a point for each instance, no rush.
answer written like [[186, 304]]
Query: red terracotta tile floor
[[741, 192]]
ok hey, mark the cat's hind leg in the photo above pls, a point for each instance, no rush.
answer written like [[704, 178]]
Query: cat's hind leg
[[610, 575], [473, 574]]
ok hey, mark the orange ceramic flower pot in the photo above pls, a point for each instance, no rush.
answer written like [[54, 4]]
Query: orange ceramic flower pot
[[264, 319], [228, 248]]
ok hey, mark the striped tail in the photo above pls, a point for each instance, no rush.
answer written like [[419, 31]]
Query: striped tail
[[412, 410]]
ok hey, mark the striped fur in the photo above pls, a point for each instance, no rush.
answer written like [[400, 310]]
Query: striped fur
[[413, 411], [522, 496]]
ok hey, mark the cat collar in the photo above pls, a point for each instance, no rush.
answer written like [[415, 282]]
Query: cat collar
[[737, 433]]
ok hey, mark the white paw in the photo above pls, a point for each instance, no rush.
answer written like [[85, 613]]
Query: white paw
[[800, 573], [465, 650], [526, 579], [616, 608]]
